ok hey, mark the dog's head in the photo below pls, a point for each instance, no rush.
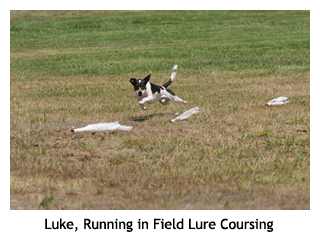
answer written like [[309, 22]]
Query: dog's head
[[140, 85]]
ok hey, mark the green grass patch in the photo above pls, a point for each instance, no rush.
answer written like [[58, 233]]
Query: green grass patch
[[261, 133], [286, 141], [46, 202], [246, 42]]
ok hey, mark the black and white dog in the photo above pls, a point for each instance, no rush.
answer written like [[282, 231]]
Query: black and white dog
[[148, 92]]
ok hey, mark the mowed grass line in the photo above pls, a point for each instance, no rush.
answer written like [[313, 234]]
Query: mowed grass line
[[235, 154]]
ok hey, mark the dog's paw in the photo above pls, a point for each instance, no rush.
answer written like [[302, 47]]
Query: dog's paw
[[143, 107], [140, 102], [184, 102]]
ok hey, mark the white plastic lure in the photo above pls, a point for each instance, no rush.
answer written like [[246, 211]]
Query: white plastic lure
[[102, 127], [277, 101], [186, 114]]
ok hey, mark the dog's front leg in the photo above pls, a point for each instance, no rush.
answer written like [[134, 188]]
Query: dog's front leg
[[141, 105], [146, 99]]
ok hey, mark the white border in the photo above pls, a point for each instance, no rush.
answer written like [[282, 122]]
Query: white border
[[288, 224]]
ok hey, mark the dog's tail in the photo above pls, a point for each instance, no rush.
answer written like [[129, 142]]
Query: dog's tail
[[174, 72]]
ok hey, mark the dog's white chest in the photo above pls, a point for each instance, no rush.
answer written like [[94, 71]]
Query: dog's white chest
[[149, 97]]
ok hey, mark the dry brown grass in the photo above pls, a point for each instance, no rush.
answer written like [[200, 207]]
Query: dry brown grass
[[226, 157]]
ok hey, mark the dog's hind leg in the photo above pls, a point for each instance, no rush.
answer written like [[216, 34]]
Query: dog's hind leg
[[177, 99], [165, 101]]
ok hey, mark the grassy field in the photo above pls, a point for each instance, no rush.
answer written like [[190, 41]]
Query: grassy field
[[72, 68]]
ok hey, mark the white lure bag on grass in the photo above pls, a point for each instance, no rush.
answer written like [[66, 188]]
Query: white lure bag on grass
[[277, 101], [186, 114], [102, 127]]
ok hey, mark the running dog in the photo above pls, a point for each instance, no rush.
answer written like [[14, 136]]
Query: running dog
[[147, 92]]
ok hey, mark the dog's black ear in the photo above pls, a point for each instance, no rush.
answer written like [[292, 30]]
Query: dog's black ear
[[133, 80], [147, 78]]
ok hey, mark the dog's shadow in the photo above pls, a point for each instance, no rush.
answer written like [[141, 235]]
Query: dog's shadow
[[144, 118]]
